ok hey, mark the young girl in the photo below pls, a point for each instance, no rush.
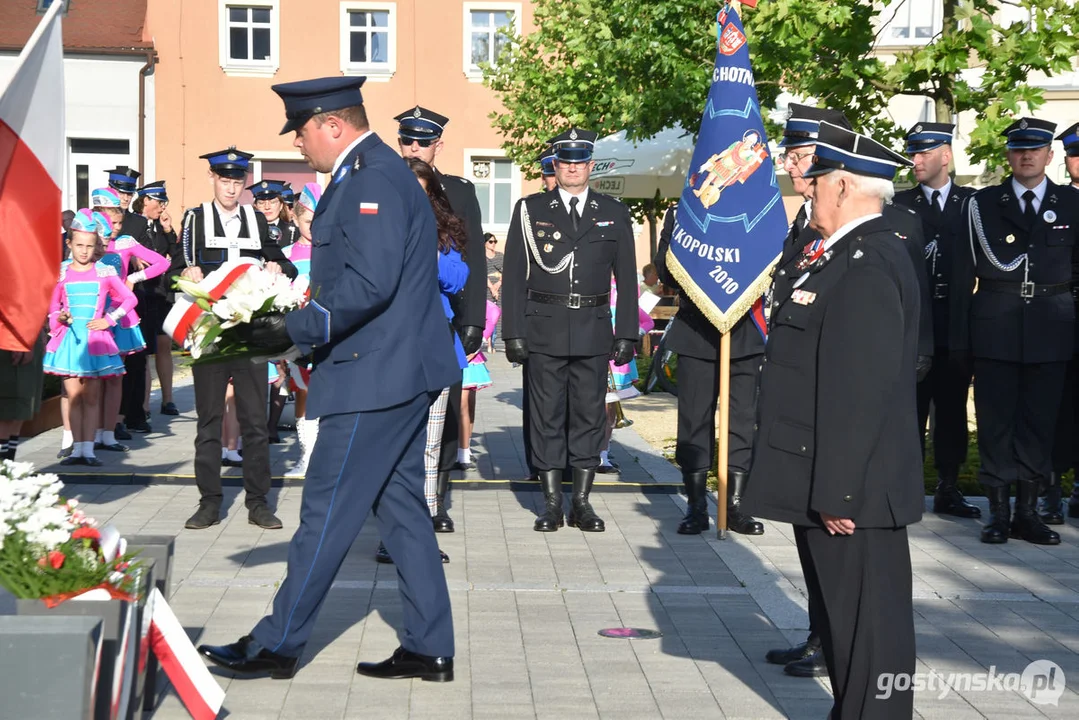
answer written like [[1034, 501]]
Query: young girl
[[128, 333], [300, 255], [82, 349], [475, 377]]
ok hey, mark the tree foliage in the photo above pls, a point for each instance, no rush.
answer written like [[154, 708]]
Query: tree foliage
[[644, 65]]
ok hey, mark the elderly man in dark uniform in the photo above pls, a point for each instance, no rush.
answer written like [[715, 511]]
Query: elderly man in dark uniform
[[939, 203], [374, 309], [1018, 323], [561, 249], [836, 453], [211, 234], [420, 136]]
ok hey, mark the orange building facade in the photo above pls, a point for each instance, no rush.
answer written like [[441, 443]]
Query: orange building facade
[[218, 58]]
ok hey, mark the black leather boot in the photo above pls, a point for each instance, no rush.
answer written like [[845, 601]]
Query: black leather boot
[[1050, 507], [1073, 501], [277, 406], [1026, 524], [551, 519], [581, 514], [442, 522], [948, 500], [996, 531], [696, 520], [737, 521]]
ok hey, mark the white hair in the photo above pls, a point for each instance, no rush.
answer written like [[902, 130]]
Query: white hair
[[877, 187]]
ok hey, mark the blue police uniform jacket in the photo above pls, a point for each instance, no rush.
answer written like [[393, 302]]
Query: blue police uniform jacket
[[374, 324]]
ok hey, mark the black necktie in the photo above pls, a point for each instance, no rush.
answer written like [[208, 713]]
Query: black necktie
[[573, 214], [935, 199], [1028, 211]]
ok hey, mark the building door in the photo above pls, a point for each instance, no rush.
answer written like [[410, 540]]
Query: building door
[[87, 168]]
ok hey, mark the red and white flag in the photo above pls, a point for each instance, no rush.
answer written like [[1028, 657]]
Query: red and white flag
[[31, 170], [198, 690]]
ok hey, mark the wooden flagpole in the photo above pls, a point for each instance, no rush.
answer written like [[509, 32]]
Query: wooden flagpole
[[723, 421]]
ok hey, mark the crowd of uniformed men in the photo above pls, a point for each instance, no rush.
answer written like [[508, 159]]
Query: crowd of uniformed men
[[826, 416]]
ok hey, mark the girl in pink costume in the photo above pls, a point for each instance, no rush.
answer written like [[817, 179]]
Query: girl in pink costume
[[82, 348], [475, 377]]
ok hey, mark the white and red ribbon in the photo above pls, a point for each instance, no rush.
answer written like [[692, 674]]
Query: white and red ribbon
[[185, 311], [198, 690]]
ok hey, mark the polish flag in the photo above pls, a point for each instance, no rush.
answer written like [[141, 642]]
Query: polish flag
[[31, 171]]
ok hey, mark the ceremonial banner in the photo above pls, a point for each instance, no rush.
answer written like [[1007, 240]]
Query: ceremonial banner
[[730, 222], [31, 172]]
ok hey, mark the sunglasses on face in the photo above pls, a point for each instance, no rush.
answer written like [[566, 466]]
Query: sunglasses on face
[[405, 142]]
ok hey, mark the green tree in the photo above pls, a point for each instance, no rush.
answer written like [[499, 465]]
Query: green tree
[[643, 65]]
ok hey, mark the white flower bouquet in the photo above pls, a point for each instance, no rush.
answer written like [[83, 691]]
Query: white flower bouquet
[[234, 294]]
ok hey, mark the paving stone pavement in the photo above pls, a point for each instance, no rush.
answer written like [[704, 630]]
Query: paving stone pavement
[[527, 606]]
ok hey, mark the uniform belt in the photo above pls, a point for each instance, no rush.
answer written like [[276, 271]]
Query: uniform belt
[[1023, 289], [573, 300], [940, 291]]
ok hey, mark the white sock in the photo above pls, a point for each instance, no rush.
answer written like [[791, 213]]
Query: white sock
[[603, 458], [233, 455], [87, 449], [239, 445], [67, 440], [464, 455], [97, 435], [76, 449], [108, 437], [224, 453]]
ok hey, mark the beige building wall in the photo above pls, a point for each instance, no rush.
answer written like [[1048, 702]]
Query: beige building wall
[[202, 107]]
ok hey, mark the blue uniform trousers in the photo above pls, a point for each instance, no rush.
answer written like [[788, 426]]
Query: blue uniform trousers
[[365, 461]]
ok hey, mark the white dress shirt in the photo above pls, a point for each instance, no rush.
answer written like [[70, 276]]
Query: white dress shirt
[[351, 146], [581, 199], [944, 192], [1039, 193]]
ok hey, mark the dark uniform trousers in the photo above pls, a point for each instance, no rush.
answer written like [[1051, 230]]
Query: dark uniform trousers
[[345, 481], [568, 394], [526, 423], [1017, 405], [871, 631], [946, 388], [249, 381], [1065, 447], [134, 382]]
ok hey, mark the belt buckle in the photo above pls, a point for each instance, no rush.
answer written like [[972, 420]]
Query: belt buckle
[[1026, 289], [940, 291], [573, 301]]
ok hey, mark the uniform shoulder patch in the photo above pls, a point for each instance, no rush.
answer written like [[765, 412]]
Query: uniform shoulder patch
[[104, 270]]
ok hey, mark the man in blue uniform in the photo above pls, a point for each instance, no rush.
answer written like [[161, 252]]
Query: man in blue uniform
[[939, 203], [1065, 447], [419, 135], [374, 310], [1017, 321]]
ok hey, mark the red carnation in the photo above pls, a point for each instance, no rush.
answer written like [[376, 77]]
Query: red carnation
[[87, 533], [56, 559]]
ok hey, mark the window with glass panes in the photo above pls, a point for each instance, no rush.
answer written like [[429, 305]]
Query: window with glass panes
[[487, 42], [493, 178], [249, 33], [911, 21], [369, 37]]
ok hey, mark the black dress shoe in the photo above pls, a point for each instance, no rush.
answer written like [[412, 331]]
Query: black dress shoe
[[63, 453], [444, 556], [404, 664], [207, 515], [382, 555], [92, 462], [811, 667], [121, 432], [141, 427], [247, 657], [69, 461], [793, 654], [611, 468], [229, 462], [262, 516], [169, 408], [274, 439], [115, 447]]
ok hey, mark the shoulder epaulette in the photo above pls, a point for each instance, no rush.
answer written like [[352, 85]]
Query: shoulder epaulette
[[105, 270], [124, 241]]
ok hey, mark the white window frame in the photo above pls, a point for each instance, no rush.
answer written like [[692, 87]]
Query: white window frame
[[473, 73], [250, 68], [886, 40], [380, 72], [515, 180]]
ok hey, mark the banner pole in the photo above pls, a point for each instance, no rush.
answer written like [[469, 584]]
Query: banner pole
[[723, 419]]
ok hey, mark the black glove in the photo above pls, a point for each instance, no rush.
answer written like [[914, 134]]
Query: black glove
[[923, 366], [516, 350], [266, 332], [622, 352], [471, 338]]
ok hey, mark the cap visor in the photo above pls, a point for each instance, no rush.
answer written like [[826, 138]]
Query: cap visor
[[293, 124], [816, 171]]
